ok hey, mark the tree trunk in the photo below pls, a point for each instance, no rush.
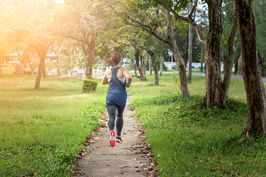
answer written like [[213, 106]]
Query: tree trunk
[[178, 58], [40, 71], [143, 69], [229, 58], [89, 68], [137, 55], [91, 58], [190, 47], [153, 60], [161, 66], [214, 90], [254, 86]]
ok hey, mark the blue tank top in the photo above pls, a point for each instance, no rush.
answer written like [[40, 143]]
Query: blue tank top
[[116, 93]]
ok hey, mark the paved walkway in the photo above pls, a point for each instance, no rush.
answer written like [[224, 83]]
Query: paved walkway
[[124, 160], [237, 77]]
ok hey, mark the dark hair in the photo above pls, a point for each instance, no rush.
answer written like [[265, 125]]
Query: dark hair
[[115, 59]]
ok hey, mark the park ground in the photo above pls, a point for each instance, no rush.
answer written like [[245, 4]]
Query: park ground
[[42, 131]]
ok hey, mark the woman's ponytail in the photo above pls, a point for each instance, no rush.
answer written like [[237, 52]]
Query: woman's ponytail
[[115, 59]]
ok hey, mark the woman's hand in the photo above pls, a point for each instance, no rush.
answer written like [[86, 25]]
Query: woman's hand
[[128, 76]]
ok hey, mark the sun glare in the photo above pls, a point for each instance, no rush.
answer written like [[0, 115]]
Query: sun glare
[[59, 1]]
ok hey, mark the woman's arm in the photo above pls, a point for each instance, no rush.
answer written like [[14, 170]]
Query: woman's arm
[[128, 76], [104, 80]]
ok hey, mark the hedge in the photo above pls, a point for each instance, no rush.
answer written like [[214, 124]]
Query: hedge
[[89, 85]]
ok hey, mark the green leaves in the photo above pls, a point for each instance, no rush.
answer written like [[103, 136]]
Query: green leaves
[[175, 4]]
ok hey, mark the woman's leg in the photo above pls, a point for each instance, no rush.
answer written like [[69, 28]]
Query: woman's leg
[[111, 110], [119, 121]]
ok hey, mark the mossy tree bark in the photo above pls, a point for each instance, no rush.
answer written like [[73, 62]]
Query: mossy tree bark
[[250, 70], [213, 96]]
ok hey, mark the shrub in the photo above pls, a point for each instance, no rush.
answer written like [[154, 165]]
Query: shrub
[[89, 85]]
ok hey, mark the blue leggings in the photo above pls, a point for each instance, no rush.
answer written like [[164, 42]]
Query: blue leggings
[[112, 110]]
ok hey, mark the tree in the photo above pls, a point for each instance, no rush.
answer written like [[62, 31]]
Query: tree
[[30, 27], [140, 64], [135, 38], [151, 51], [79, 24], [216, 90], [254, 86], [142, 15], [40, 36]]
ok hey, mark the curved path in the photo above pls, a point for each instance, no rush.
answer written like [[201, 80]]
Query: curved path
[[124, 159]]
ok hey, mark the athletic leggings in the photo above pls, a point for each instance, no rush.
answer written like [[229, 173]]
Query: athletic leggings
[[112, 110]]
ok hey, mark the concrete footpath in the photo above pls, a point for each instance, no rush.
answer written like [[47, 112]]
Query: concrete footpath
[[237, 77], [129, 159]]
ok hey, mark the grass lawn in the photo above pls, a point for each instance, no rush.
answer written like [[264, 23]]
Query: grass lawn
[[42, 131], [189, 140]]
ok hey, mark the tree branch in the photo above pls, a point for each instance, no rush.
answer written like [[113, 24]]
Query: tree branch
[[193, 9], [71, 37], [148, 29], [186, 19]]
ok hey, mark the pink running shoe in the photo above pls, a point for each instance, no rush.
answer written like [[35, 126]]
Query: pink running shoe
[[118, 139], [112, 138]]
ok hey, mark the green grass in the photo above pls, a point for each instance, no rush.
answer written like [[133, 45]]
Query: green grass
[[42, 131], [189, 140]]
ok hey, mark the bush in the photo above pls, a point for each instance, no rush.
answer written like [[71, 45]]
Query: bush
[[89, 85]]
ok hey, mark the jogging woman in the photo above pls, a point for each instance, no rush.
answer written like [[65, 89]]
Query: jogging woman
[[118, 79]]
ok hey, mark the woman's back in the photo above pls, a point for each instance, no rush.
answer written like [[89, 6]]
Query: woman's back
[[116, 93], [121, 73]]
